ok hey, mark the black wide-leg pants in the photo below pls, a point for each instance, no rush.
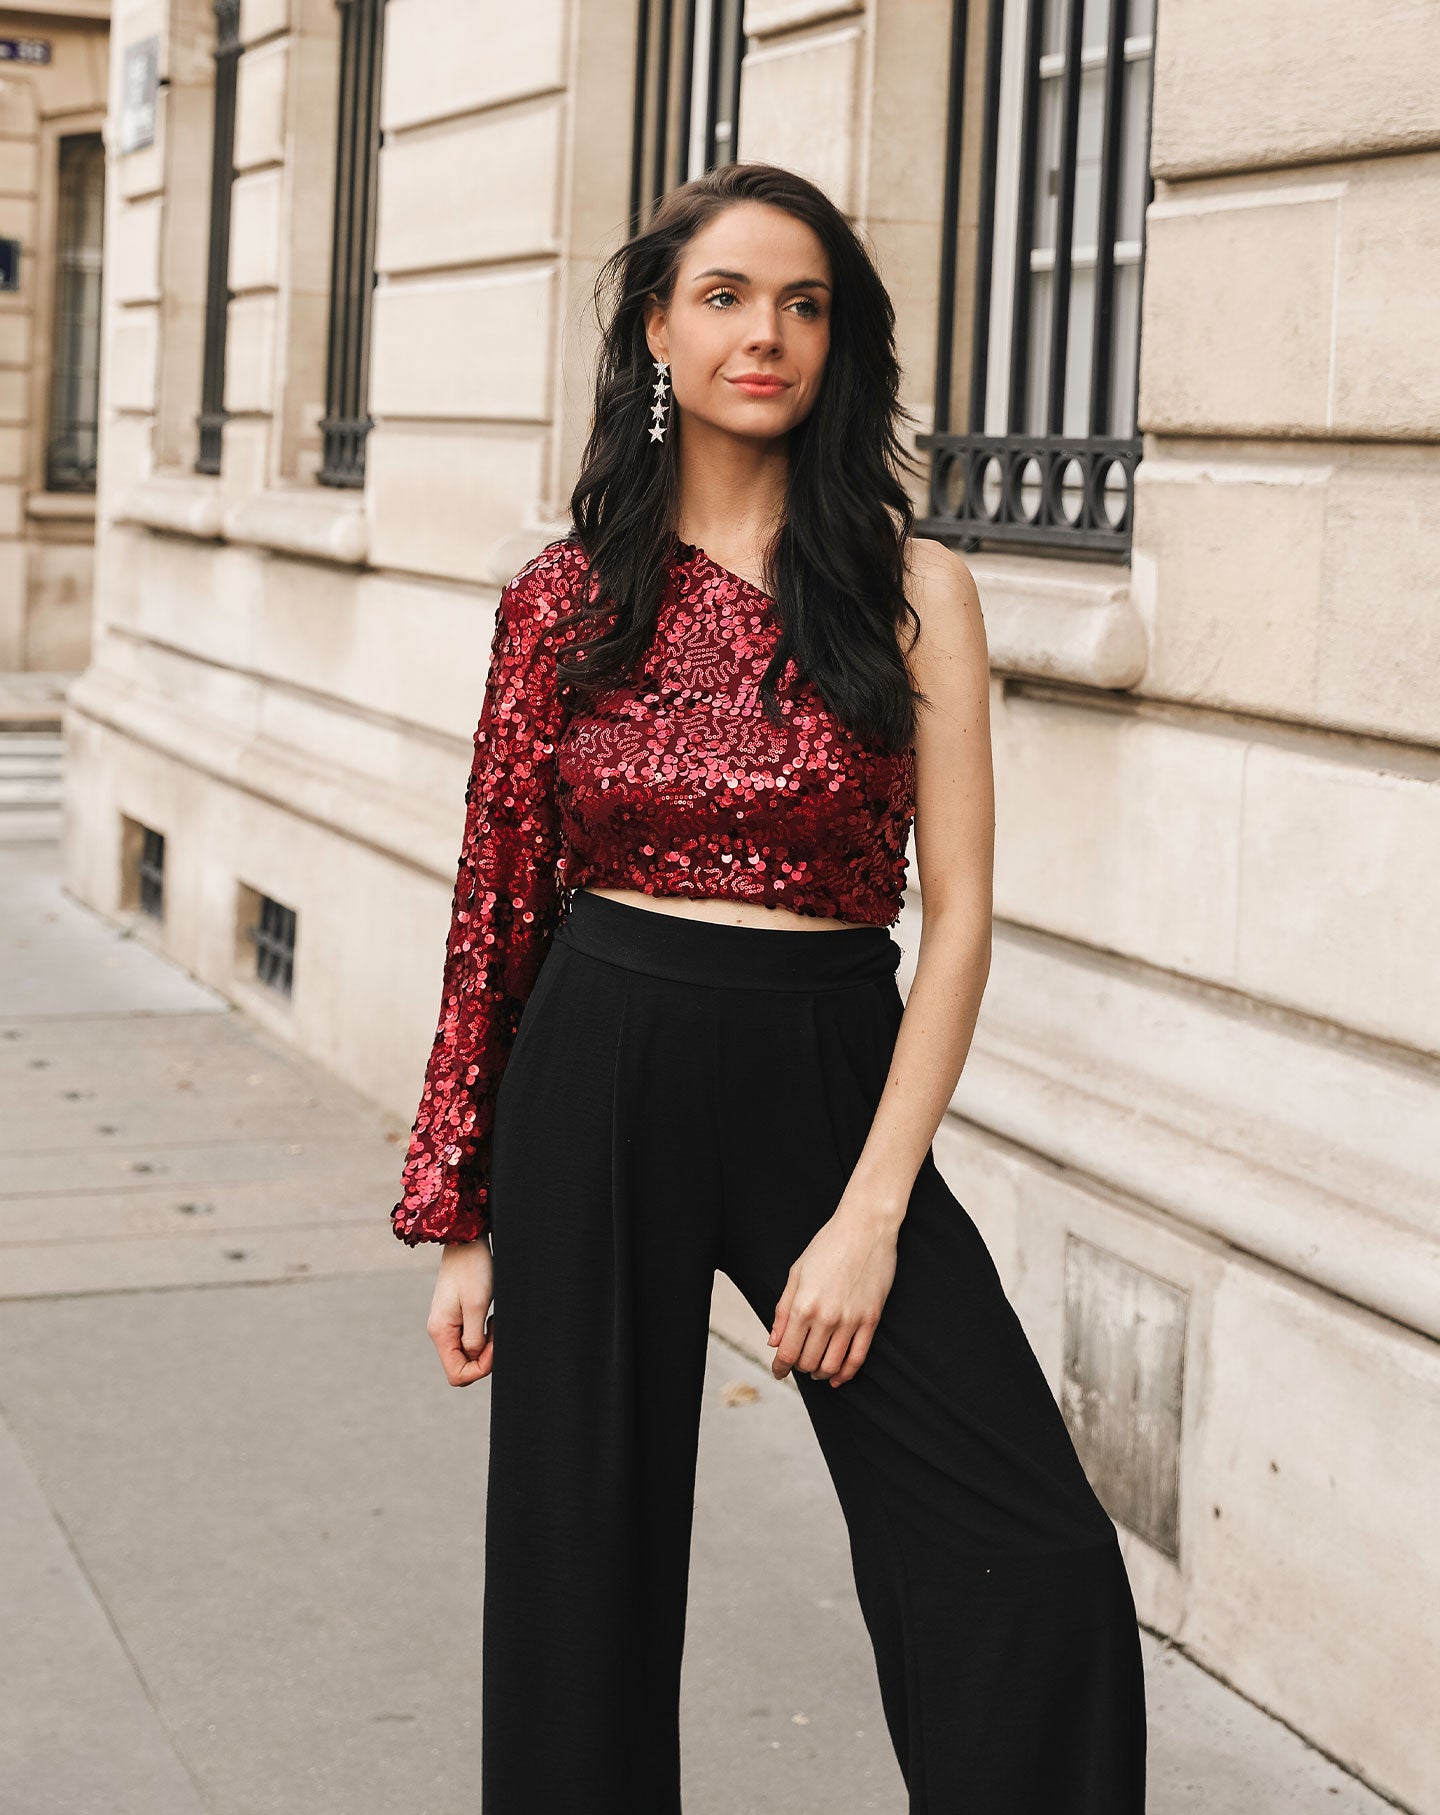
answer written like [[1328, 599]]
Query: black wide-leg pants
[[684, 1096]]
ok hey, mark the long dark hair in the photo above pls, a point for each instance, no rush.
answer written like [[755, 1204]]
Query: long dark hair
[[836, 566]]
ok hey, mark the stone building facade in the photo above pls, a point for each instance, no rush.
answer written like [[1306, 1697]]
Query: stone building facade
[[53, 85], [1200, 1123]]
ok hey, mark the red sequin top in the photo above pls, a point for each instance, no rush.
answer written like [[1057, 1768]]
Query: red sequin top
[[675, 785]]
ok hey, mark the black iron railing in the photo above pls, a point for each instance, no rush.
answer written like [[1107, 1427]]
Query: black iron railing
[[75, 361], [274, 939], [1059, 265], [687, 95], [152, 873], [217, 282], [346, 421]]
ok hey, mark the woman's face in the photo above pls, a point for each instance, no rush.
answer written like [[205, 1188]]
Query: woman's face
[[752, 295]]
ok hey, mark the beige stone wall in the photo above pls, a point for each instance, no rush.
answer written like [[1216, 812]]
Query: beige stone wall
[[1210, 1035], [1209, 1044], [287, 677], [46, 539]]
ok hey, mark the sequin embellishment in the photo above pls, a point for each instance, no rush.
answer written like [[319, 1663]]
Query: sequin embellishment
[[676, 785]]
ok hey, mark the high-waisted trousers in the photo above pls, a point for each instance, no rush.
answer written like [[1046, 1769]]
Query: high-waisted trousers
[[684, 1096]]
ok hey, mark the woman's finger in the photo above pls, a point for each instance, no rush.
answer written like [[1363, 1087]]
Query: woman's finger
[[818, 1332], [782, 1311], [794, 1332], [444, 1332], [859, 1349], [834, 1357], [472, 1334]]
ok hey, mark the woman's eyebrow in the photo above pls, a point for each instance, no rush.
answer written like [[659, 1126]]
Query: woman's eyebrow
[[739, 277]]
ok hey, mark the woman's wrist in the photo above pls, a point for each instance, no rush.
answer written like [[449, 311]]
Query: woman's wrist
[[879, 1205]]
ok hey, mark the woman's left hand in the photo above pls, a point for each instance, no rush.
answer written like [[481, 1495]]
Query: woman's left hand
[[832, 1300]]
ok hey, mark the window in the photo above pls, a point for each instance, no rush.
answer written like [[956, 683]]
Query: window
[[151, 870], [1060, 183], [217, 286], [142, 868], [687, 95], [75, 359], [273, 935], [346, 421]]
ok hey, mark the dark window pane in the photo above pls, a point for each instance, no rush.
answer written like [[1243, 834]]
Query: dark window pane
[[75, 361]]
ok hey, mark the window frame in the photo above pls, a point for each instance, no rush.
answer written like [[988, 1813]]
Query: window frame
[[346, 423], [212, 416], [94, 140], [663, 154], [1003, 482]]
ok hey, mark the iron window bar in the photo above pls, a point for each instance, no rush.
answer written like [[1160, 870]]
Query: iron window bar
[[151, 869], [212, 417], [686, 96], [274, 941], [1037, 481], [347, 422], [75, 368]]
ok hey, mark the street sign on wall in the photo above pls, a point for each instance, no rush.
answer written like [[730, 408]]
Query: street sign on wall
[[24, 50], [139, 80]]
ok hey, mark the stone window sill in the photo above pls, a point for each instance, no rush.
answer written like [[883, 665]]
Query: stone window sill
[[311, 521], [64, 507], [1070, 621]]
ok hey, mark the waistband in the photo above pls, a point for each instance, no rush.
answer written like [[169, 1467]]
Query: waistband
[[688, 950]]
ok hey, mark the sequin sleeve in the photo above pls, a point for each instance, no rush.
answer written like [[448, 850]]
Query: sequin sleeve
[[505, 909]]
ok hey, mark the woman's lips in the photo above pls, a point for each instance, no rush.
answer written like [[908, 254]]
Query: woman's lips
[[758, 387]]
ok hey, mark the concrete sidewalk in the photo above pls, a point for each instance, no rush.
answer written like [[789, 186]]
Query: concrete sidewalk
[[241, 1509]]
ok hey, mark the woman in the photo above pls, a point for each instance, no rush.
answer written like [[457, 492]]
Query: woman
[[671, 1041]]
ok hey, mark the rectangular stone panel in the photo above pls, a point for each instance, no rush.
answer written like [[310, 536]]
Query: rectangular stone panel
[[442, 59], [1315, 1558], [260, 85], [428, 216], [800, 107], [442, 498], [464, 347], [132, 256], [1238, 313], [1291, 82], [255, 230], [1296, 302], [1122, 1388], [1294, 582], [1274, 860]]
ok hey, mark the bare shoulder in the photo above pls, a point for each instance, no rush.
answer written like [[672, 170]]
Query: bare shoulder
[[942, 589]]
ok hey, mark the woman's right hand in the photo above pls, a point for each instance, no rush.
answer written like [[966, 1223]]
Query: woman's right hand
[[456, 1325]]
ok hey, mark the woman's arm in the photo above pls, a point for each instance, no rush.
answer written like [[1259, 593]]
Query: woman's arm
[[836, 1289], [955, 858], [504, 912]]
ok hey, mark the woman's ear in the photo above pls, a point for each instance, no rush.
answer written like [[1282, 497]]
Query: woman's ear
[[654, 316]]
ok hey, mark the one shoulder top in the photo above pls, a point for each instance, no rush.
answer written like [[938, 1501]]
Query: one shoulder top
[[674, 785]]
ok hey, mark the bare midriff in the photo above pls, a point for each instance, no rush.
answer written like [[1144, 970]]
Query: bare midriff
[[725, 913]]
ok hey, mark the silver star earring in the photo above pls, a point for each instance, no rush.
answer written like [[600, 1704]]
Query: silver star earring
[[659, 408]]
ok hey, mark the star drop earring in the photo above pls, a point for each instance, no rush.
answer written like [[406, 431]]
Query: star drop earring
[[659, 408]]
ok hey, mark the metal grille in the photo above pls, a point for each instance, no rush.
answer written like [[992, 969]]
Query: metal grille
[[1049, 452], [275, 945], [217, 283], [152, 873], [75, 361], [687, 95], [346, 421]]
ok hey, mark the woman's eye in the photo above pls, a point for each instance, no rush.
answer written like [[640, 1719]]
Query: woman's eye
[[810, 304]]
